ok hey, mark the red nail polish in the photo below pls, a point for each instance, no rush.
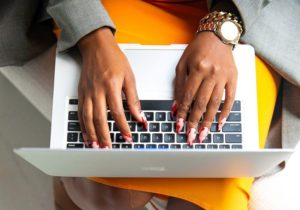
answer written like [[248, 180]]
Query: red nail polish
[[179, 125], [174, 108], [128, 137]]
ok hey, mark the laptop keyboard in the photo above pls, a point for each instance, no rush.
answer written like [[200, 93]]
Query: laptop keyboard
[[160, 133]]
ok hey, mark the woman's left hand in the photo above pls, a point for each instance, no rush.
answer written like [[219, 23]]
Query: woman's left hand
[[205, 69]]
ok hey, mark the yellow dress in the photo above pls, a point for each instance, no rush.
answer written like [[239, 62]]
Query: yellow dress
[[167, 22]]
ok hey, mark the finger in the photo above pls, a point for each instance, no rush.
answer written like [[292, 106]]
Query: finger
[[100, 121], [87, 113], [230, 89], [199, 107], [190, 89], [213, 106], [80, 118], [116, 108], [133, 101]]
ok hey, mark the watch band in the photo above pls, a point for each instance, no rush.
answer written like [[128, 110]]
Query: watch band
[[212, 21]]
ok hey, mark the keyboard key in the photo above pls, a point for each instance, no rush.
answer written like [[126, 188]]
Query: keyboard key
[[218, 138], [144, 137], [109, 116], [149, 116], [157, 138], [236, 146], [175, 146], [174, 128], [170, 117], [140, 127], [115, 127], [187, 146], [132, 126], [224, 146], [200, 146], [169, 138], [127, 115], [73, 115], [116, 146], [232, 127], [214, 127], [181, 138], [109, 126], [234, 117], [81, 138], [212, 146], [233, 138], [139, 146], [74, 146], [72, 137], [112, 137], [73, 126], [236, 106], [163, 146], [73, 101], [207, 139], [160, 116], [125, 105], [119, 138], [156, 104], [154, 127], [135, 137], [166, 127], [126, 146], [150, 146]]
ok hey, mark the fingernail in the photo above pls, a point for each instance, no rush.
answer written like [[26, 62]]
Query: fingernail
[[84, 136], [174, 108], [144, 120], [191, 135], [221, 124], [128, 137], [202, 134], [95, 145], [179, 125], [106, 147]]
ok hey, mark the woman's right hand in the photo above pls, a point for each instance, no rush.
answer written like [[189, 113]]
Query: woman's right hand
[[105, 73]]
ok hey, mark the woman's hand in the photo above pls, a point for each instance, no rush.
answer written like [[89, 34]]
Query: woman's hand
[[105, 73], [205, 69]]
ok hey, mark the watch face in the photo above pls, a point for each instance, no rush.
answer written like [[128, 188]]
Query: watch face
[[229, 31]]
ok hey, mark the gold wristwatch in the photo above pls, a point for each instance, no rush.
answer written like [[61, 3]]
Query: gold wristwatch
[[225, 25]]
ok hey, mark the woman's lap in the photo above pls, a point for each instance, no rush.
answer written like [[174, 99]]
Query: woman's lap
[[161, 23]]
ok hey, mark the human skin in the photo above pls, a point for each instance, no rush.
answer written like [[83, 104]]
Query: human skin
[[205, 70]]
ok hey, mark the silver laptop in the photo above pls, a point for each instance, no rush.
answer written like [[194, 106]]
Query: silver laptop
[[157, 151]]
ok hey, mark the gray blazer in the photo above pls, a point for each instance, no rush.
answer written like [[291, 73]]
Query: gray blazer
[[272, 27]]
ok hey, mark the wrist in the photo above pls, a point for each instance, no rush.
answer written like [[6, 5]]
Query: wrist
[[96, 39], [225, 25]]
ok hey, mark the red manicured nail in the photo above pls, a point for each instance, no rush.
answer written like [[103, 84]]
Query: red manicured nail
[[128, 137], [191, 135], [144, 120], [202, 134], [179, 125], [174, 108], [221, 124], [95, 145]]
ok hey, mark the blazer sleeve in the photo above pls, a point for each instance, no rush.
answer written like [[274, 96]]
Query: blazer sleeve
[[77, 18], [273, 29], [248, 10]]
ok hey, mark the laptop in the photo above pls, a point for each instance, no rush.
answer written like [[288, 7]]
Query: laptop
[[157, 151]]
